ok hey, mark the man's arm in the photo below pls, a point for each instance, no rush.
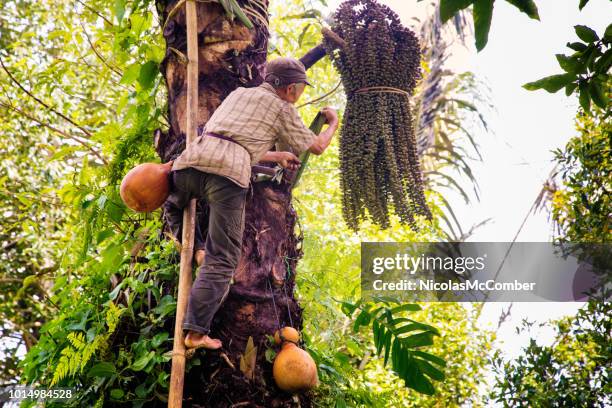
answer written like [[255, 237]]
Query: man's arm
[[287, 160], [293, 131], [323, 140]]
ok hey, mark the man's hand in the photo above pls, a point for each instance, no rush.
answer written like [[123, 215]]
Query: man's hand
[[288, 160], [330, 115], [324, 138]]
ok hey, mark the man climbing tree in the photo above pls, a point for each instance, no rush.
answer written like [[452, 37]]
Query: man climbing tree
[[216, 168]]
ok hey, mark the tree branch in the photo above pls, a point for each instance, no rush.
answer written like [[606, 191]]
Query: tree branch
[[317, 53], [10, 280], [61, 115], [61, 132], [96, 13], [115, 70]]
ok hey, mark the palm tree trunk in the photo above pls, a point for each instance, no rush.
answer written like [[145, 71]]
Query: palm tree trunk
[[262, 296]]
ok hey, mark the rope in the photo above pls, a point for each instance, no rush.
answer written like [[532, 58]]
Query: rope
[[287, 276], [320, 98], [269, 285], [274, 303], [369, 89], [381, 89]]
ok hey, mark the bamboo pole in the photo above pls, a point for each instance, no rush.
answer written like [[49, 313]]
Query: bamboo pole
[[175, 398]]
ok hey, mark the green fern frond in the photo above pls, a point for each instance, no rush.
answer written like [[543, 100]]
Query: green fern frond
[[64, 365], [113, 316], [78, 353], [75, 363], [60, 370], [76, 339], [91, 348]]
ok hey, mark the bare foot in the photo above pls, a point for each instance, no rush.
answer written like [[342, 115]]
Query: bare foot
[[199, 257], [195, 340]]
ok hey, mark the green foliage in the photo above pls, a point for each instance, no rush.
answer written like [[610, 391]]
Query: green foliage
[[74, 357], [572, 372], [80, 347], [482, 14], [449, 8], [526, 6], [400, 337], [581, 209], [232, 9], [78, 92], [586, 70]]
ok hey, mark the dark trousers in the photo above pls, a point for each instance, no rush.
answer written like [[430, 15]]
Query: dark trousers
[[226, 201]]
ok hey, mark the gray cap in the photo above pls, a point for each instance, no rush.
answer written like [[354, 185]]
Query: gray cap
[[283, 71]]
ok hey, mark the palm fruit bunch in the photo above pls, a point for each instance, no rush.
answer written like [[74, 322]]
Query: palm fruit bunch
[[379, 165]]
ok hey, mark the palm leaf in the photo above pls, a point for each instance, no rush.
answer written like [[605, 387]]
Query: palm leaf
[[416, 367], [444, 103]]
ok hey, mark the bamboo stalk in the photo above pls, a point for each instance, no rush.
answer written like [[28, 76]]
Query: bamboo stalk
[[175, 398]]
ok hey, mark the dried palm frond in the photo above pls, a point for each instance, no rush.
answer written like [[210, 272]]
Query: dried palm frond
[[232, 9], [442, 108]]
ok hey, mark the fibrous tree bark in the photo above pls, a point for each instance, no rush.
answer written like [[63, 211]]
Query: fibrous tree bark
[[262, 296]]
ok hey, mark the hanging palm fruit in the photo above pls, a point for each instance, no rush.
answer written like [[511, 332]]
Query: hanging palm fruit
[[379, 66]]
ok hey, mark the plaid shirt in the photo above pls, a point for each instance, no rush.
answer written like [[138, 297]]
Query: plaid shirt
[[256, 118]]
